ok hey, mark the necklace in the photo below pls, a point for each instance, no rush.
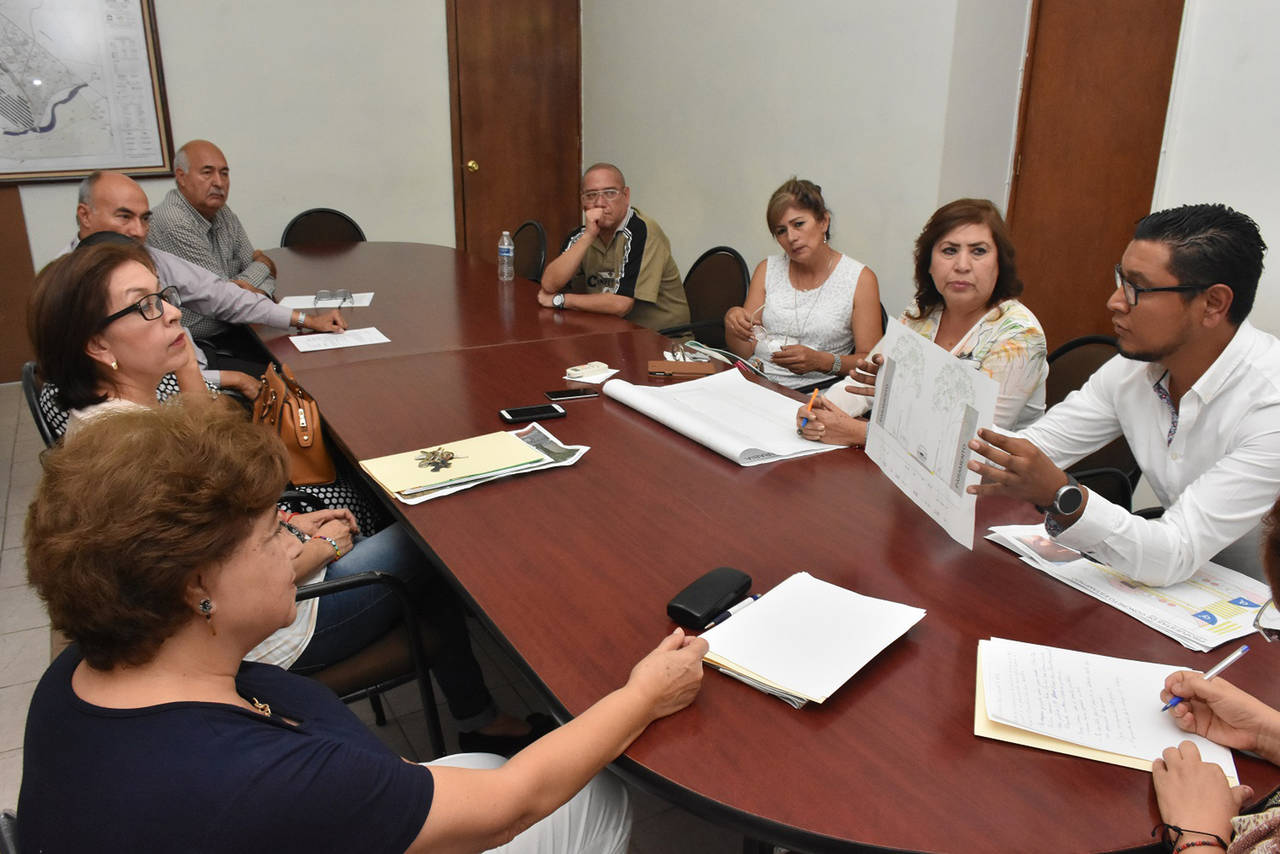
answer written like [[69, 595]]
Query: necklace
[[260, 706], [795, 296]]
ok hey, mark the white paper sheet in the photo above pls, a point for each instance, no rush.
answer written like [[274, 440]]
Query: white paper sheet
[[809, 635], [359, 300], [337, 340], [1212, 607], [1111, 704], [928, 405], [736, 418]]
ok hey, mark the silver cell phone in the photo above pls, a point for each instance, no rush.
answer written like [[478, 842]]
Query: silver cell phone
[[571, 393], [518, 414]]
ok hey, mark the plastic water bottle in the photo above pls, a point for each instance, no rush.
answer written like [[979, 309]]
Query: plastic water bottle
[[506, 257]]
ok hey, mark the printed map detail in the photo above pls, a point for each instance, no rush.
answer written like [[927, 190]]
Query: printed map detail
[[75, 86]]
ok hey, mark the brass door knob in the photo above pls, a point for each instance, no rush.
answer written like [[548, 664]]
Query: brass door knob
[[473, 166]]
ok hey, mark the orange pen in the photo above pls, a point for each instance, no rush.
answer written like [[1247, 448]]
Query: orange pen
[[809, 409]]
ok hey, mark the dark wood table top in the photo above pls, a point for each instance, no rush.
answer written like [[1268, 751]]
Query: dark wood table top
[[427, 299], [574, 567]]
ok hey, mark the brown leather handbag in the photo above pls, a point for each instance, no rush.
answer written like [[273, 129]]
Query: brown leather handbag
[[285, 408]]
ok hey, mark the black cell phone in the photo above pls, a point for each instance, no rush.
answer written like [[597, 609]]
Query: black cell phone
[[571, 393], [542, 411]]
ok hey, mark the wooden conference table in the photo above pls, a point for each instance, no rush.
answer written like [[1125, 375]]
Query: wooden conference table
[[573, 568]]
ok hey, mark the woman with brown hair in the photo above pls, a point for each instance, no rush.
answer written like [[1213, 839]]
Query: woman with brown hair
[[154, 541], [809, 308], [966, 302]]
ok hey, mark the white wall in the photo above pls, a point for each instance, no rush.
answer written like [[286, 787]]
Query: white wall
[[1220, 138], [315, 105], [708, 106]]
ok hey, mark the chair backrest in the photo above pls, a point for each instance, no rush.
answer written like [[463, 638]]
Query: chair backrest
[[1069, 367], [715, 283], [32, 389], [1074, 362], [321, 225], [531, 250]]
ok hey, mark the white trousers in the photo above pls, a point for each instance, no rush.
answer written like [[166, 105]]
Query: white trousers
[[597, 820]]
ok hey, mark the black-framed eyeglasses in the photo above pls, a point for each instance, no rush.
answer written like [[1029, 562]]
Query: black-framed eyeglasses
[[608, 194], [1267, 621], [151, 307], [1132, 291]]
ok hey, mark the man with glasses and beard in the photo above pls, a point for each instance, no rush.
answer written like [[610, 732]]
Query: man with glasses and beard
[[1195, 392], [619, 262]]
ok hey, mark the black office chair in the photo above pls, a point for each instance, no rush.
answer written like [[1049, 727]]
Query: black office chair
[[321, 225], [1111, 471], [397, 657], [31, 389], [531, 250], [715, 283]]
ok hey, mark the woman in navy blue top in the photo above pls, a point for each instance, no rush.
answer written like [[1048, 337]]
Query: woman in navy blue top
[[154, 540]]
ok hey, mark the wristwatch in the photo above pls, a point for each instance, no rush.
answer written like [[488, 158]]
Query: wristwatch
[[557, 301], [1067, 500], [301, 322]]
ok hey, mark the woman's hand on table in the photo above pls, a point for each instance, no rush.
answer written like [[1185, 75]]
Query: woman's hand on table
[[800, 359], [829, 424], [671, 675], [1194, 794], [1222, 713]]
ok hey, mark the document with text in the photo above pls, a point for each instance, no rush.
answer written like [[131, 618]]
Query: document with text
[[928, 405], [1212, 607], [338, 340], [1096, 702]]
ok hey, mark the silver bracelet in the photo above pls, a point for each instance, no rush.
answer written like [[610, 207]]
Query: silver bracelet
[[835, 365]]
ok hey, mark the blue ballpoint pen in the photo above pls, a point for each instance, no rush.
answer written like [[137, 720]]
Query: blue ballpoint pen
[[724, 615], [1222, 665]]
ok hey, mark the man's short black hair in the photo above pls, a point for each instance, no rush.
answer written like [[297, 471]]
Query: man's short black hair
[[1208, 244]]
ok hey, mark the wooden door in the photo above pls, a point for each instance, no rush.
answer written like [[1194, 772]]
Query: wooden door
[[16, 278], [1090, 128], [516, 95]]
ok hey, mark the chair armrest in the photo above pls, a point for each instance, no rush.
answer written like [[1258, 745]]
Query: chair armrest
[[1097, 479], [299, 501]]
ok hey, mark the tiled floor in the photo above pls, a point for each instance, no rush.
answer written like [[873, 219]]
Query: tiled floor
[[24, 653]]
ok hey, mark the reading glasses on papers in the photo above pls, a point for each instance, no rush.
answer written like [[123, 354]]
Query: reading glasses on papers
[[1267, 621], [1132, 291], [150, 307], [342, 296]]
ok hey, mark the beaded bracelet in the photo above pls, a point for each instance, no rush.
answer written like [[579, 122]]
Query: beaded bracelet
[[1195, 843], [331, 541], [1216, 841]]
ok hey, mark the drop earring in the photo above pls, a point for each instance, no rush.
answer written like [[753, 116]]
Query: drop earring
[[115, 366]]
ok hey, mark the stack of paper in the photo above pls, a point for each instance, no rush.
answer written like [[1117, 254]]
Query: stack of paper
[[1212, 607], [1093, 706], [416, 476], [732, 416], [804, 638]]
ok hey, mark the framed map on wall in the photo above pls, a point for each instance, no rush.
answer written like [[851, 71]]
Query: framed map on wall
[[81, 89]]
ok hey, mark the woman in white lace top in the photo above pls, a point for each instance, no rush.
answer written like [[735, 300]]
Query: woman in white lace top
[[809, 308]]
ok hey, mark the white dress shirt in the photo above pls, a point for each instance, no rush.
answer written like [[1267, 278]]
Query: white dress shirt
[[1216, 475]]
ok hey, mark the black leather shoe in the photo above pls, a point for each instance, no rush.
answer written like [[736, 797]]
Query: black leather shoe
[[507, 745]]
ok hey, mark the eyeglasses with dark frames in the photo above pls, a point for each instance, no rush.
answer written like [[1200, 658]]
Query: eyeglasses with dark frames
[[1270, 615], [151, 307], [1132, 291]]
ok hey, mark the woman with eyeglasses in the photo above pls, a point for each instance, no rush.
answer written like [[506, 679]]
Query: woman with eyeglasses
[[105, 332], [1201, 810], [810, 307], [151, 734], [966, 302]]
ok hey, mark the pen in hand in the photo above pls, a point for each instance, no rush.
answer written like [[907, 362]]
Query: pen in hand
[[809, 409], [1214, 671]]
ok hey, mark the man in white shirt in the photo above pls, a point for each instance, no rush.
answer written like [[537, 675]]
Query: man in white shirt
[[1195, 392]]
